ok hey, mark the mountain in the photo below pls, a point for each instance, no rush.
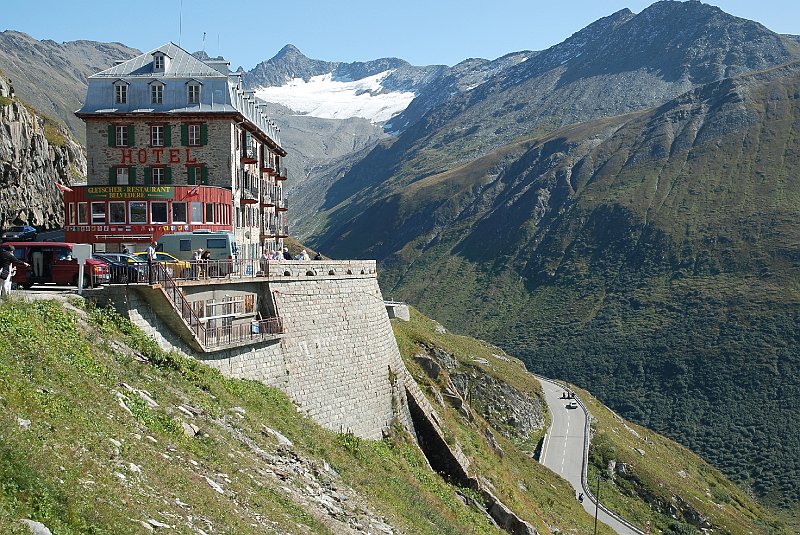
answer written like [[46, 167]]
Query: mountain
[[619, 64], [35, 152], [65, 67], [620, 211], [374, 90]]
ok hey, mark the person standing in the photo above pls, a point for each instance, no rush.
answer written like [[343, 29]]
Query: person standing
[[286, 254], [197, 260], [264, 261], [151, 260], [304, 255], [7, 261]]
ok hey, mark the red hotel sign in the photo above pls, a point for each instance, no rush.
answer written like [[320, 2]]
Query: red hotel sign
[[156, 156]]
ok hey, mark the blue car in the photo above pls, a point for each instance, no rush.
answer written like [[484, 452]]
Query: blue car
[[20, 233]]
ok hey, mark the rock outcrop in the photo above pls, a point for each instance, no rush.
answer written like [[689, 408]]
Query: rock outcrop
[[35, 153]]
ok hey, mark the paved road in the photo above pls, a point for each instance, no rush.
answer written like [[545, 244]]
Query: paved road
[[562, 451]]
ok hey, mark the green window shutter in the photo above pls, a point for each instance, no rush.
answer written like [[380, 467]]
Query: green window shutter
[[191, 171], [168, 175], [204, 175], [184, 135], [131, 139], [132, 176], [168, 135], [112, 176], [112, 142], [204, 134], [148, 176]]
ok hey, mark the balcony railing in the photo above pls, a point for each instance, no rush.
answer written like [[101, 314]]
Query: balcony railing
[[249, 155], [253, 331], [282, 204]]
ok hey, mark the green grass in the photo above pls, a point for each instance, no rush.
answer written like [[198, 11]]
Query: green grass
[[666, 470], [531, 490], [651, 469], [69, 373]]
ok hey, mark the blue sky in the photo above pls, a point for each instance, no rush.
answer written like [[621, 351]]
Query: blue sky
[[421, 32]]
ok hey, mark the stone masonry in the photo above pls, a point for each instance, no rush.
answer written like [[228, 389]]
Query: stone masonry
[[338, 359]]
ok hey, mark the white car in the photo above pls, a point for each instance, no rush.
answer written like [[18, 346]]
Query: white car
[[571, 405]]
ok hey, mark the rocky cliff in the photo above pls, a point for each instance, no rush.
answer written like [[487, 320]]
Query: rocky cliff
[[35, 153]]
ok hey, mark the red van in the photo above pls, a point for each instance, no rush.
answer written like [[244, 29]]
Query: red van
[[52, 262]]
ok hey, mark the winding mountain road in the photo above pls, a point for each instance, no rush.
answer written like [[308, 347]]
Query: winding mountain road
[[563, 451]]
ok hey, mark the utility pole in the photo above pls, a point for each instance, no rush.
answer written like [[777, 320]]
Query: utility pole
[[597, 502]]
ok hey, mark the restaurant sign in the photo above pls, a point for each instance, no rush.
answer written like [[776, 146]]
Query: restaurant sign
[[130, 192]]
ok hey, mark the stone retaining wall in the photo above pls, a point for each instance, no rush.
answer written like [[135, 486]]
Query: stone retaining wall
[[338, 359]]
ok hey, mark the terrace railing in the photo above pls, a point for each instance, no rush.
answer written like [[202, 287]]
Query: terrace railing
[[257, 330]]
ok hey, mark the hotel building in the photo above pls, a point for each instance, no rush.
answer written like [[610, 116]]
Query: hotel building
[[174, 144]]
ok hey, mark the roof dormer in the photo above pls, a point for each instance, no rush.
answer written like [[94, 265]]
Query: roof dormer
[[160, 61]]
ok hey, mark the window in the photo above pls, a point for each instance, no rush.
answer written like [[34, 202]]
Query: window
[[121, 135], [121, 94], [138, 212], [197, 212], [98, 213], [194, 135], [194, 93], [159, 176], [123, 174], [116, 212], [185, 245], [158, 212], [71, 214], [157, 94], [179, 212], [82, 215], [217, 243], [158, 62], [157, 135], [209, 212]]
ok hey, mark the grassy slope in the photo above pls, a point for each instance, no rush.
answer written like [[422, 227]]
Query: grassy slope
[[530, 489], [658, 471], [65, 470], [68, 373]]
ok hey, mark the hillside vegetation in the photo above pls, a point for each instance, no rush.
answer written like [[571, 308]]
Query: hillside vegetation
[[654, 478], [652, 256], [103, 432]]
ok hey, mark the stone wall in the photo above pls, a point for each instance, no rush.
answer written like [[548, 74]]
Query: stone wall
[[216, 154], [338, 359]]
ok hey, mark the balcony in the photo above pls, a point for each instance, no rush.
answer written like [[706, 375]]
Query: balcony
[[278, 231], [281, 205], [249, 195], [267, 201], [249, 156], [281, 175]]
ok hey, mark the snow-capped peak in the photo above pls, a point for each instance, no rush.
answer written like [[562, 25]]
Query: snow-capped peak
[[324, 97]]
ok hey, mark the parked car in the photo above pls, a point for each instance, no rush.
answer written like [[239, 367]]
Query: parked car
[[176, 266], [124, 268], [53, 262], [20, 233]]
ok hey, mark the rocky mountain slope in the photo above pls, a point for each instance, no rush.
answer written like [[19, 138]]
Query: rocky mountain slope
[[52, 76], [35, 153], [105, 433], [619, 64], [651, 255]]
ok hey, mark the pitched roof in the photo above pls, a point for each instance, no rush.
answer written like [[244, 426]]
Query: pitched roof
[[181, 65]]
